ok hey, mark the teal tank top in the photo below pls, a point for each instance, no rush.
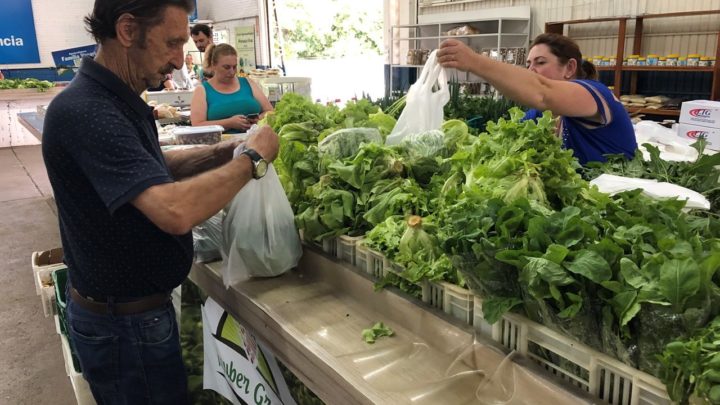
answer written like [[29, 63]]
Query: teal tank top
[[221, 106]]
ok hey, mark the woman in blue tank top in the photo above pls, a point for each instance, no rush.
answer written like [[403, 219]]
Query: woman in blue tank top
[[593, 123], [235, 103]]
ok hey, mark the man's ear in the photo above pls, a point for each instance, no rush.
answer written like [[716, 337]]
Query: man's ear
[[126, 29]]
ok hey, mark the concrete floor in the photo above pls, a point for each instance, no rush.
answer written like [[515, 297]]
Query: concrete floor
[[32, 368]]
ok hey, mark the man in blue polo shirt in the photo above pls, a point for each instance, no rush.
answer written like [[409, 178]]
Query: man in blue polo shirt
[[126, 209]]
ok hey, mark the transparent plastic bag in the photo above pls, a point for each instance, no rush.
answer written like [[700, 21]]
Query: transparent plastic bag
[[207, 239], [424, 103], [259, 234]]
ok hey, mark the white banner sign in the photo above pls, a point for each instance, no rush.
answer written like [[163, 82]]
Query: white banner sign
[[237, 366]]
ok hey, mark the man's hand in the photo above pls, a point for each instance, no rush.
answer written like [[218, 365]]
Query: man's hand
[[265, 142], [224, 150]]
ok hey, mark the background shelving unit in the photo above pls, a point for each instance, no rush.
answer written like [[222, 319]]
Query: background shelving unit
[[619, 70], [496, 28]]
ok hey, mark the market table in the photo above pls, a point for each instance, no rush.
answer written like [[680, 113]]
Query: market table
[[312, 318], [33, 123]]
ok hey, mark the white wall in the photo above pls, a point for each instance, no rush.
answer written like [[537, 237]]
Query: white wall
[[228, 14], [677, 35]]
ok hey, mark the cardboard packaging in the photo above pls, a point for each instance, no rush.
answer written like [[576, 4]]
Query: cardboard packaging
[[705, 113], [694, 132]]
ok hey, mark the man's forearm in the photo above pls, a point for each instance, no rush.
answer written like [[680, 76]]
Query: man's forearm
[[186, 163]]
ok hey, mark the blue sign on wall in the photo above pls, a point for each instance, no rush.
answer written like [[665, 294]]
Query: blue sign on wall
[[18, 42], [70, 58]]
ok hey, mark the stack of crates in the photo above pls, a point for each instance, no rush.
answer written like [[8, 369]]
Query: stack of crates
[[43, 265], [602, 376], [60, 282]]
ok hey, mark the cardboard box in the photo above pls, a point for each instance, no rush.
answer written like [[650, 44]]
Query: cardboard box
[[695, 132], [705, 113]]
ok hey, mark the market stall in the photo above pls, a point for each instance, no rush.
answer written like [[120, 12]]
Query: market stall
[[312, 319]]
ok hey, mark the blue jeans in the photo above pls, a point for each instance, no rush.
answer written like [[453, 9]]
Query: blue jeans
[[130, 359]]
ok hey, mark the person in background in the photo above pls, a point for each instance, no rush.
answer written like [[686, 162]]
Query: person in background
[[126, 208], [202, 36], [165, 84], [592, 122], [235, 103], [2, 76], [191, 67]]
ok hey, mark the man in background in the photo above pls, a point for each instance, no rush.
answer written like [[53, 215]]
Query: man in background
[[202, 36]]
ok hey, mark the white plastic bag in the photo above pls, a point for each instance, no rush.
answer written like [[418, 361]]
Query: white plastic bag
[[423, 107], [611, 184], [259, 234], [672, 147]]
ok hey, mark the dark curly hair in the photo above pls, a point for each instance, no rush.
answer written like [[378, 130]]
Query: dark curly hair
[[101, 23], [565, 49]]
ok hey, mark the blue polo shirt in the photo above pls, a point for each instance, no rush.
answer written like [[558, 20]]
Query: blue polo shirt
[[101, 150], [589, 140]]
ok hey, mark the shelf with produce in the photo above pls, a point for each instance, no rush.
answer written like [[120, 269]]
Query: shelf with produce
[[501, 28], [709, 69], [636, 44], [441, 37], [651, 111], [538, 231]]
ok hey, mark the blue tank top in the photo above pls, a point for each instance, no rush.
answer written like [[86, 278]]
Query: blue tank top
[[590, 140], [221, 106]]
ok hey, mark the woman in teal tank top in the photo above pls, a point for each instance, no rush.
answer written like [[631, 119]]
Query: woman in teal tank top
[[235, 103]]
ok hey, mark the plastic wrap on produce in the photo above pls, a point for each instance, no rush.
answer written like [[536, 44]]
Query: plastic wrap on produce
[[612, 184], [672, 147], [207, 239]]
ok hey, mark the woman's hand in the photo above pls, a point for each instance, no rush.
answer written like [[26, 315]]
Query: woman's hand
[[455, 54], [240, 122]]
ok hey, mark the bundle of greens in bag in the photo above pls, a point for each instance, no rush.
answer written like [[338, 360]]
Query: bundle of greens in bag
[[259, 234]]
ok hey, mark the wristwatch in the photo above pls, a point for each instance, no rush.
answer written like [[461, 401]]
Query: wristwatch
[[260, 165]]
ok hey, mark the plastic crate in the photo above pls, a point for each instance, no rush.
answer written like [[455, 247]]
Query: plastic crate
[[48, 298], [361, 257], [458, 302], [602, 376], [83, 395], [43, 264], [346, 247], [330, 247], [60, 281], [376, 264], [434, 294]]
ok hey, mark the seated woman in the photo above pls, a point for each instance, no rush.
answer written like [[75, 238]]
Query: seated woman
[[235, 103], [593, 123]]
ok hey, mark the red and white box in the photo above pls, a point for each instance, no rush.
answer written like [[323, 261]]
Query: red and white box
[[704, 113], [695, 132]]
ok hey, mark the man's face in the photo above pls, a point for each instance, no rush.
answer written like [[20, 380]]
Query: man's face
[[162, 50], [201, 41]]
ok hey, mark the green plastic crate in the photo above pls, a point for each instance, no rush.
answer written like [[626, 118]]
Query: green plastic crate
[[60, 280]]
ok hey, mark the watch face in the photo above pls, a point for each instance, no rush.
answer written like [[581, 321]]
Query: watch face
[[261, 168]]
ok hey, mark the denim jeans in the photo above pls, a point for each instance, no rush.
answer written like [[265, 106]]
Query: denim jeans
[[130, 359]]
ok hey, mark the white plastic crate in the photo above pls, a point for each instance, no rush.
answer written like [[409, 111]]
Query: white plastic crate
[[330, 247], [83, 395], [458, 302], [362, 255], [346, 247], [57, 324], [47, 296], [433, 294], [597, 373], [44, 263], [376, 264]]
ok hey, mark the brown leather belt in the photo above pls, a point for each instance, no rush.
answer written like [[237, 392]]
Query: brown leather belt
[[120, 308]]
